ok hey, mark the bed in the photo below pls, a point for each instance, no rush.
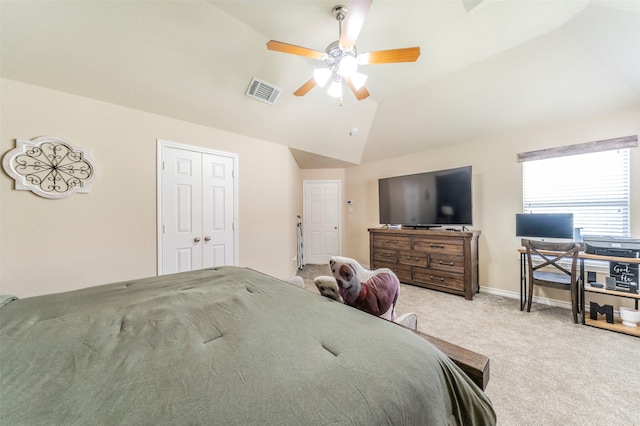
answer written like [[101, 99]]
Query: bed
[[221, 346]]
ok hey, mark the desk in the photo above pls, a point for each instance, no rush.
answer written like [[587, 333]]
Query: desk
[[586, 289]]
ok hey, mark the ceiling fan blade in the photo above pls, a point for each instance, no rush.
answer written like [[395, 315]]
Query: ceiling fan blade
[[409, 54], [361, 93], [356, 12], [304, 89], [279, 46]]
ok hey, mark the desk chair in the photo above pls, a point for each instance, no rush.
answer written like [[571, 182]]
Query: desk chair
[[552, 255]]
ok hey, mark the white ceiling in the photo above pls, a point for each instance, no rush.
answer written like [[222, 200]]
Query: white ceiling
[[503, 65]]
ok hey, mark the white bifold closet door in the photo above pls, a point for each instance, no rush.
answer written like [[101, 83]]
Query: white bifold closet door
[[198, 229]]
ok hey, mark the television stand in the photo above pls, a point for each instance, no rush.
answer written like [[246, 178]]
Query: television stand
[[436, 259]]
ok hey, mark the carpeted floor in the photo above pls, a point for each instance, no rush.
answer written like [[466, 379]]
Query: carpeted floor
[[545, 370]]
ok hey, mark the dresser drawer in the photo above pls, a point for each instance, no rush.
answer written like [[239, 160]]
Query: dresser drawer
[[413, 258], [392, 242], [384, 255], [433, 277], [433, 245], [402, 272], [444, 262]]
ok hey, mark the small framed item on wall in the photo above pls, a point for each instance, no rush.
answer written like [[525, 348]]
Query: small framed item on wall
[[50, 167]]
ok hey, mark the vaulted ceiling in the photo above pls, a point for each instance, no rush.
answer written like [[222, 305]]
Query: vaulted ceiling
[[486, 66]]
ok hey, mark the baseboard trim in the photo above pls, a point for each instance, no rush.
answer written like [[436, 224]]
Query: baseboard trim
[[536, 299]]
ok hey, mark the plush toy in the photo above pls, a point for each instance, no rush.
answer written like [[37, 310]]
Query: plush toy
[[328, 287], [363, 273], [297, 281], [376, 293]]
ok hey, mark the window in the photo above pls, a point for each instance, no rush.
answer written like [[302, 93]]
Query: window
[[593, 186]]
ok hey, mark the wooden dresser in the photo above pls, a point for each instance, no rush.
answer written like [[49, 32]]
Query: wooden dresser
[[435, 259]]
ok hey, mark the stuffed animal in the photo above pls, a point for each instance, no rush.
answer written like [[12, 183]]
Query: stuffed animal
[[376, 294], [328, 287], [297, 281], [363, 273]]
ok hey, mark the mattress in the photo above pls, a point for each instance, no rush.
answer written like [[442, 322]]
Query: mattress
[[221, 346]]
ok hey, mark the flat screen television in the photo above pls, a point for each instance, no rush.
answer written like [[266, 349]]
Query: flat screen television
[[544, 225], [430, 199]]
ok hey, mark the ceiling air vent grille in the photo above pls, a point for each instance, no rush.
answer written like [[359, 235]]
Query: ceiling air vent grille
[[263, 91]]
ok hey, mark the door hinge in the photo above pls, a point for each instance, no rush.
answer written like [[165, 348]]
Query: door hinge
[[163, 229]]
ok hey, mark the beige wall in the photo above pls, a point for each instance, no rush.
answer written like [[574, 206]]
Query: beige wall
[[322, 174], [109, 235], [497, 187]]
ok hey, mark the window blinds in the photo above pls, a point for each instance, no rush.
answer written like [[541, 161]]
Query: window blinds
[[593, 186]]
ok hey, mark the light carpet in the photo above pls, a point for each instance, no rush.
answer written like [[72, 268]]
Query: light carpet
[[545, 370]]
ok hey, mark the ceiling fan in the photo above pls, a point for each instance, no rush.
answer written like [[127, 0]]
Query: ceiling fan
[[341, 57]]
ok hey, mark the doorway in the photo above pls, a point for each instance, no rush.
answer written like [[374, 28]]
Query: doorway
[[322, 220], [197, 208]]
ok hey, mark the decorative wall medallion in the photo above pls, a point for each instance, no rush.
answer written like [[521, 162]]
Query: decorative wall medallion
[[50, 167]]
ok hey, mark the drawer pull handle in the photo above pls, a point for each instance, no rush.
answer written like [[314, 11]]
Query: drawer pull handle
[[392, 242], [434, 278], [413, 258], [445, 263], [436, 245], [386, 255]]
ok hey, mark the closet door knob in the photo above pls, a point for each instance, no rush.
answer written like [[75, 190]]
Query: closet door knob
[[196, 239], [207, 238]]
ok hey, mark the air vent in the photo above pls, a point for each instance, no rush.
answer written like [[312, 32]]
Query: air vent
[[263, 91]]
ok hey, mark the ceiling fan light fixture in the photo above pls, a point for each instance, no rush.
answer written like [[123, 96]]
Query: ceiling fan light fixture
[[348, 65], [341, 56], [335, 90], [321, 76], [358, 80]]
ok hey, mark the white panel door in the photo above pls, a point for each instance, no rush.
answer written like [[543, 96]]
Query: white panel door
[[182, 197], [197, 209], [218, 202], [321, 221]]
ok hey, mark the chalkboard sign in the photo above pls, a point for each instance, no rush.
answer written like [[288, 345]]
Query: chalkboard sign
[[625, 273]]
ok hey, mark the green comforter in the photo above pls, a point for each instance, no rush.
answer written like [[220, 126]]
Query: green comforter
[[223, 346]]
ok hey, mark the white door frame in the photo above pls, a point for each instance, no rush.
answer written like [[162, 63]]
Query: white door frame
[[161, 144], [304, 213]]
